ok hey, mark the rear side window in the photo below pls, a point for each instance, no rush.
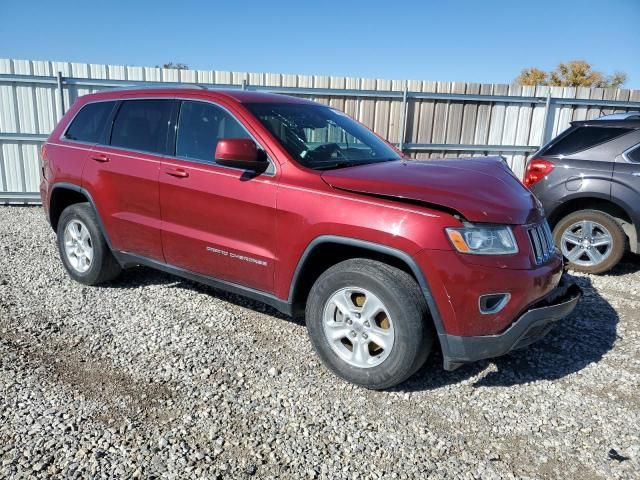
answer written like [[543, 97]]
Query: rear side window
[[584, 137], [142, 125], [200, 126], [634, 155], [89, 124]]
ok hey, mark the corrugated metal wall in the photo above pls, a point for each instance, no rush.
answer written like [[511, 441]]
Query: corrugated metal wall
[[29, 110]]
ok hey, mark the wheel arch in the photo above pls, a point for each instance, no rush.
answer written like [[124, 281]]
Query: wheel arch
[[328, 250], [604, 204], [65, 194]]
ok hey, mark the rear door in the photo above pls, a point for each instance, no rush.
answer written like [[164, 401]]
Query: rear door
[[122, 175], [87, 128], [626, 184], [217, 221]]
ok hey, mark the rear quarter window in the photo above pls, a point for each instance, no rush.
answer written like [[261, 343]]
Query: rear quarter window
[[583, 138], [90, 122], [634, 155]]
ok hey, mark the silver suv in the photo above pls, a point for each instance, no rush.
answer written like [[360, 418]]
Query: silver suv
[[588, 180]]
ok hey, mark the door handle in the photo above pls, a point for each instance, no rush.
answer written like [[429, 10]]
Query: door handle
[[100, 157], [636, 174], [178, 173]]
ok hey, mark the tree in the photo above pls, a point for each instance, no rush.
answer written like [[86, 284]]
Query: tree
[[177, 66], [575, 73], [532, 76]]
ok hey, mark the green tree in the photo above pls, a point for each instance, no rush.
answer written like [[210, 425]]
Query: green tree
[[575, 73]]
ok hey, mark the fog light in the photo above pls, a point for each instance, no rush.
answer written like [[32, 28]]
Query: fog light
[[493, 302]]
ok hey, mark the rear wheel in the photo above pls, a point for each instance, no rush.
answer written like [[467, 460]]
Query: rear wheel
[[369, 323], [83, 249], [592, 241]]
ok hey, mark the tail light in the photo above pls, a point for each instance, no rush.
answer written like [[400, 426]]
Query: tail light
[[44, 161], [536, 170]]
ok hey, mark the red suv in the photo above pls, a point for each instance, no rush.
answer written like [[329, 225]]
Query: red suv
[[297, 205]]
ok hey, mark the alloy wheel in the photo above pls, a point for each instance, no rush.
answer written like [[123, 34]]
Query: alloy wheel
[[358, 327], [78, 246], [586, 243]]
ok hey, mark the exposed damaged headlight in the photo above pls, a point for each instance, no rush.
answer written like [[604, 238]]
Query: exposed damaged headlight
[[483, 240]]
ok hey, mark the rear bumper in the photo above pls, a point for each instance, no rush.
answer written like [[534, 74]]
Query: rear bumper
[[530, 327]]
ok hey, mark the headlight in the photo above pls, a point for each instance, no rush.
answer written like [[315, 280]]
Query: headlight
[[483, 240]]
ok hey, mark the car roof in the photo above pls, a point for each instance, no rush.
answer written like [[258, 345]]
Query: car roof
[[240, 96], [630, 123], [621, 116], [627, 120]]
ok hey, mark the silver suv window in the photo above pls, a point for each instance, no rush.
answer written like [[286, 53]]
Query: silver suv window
[[581, 138], [633, 154]]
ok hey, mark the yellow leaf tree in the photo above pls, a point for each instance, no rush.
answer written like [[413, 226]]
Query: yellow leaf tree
[[575, 73]]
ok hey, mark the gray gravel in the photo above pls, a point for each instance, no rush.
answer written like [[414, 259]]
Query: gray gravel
[[154, 376]]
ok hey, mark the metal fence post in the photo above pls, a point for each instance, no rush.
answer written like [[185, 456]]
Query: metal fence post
[[546, 131], [402, 130], [60, 95]]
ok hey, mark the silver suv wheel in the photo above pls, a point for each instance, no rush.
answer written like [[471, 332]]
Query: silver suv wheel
[[358, 327], [78, 246], [586, 243]]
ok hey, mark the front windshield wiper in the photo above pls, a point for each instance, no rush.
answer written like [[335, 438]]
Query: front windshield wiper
[[331, 166], [345, 164]]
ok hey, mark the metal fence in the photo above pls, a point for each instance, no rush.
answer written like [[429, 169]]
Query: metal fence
[[426, 119]]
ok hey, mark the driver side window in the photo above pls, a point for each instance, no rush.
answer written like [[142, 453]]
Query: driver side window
[[200, 126]]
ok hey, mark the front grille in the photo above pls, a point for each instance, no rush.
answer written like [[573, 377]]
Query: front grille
[[541, 242]]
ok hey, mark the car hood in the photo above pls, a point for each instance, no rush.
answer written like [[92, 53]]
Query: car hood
[[481, 189]]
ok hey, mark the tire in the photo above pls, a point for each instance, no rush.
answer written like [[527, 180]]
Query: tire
[[585, 257], [89, 260], [401, 322]]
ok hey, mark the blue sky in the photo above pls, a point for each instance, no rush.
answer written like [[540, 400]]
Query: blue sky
[[481, 40]]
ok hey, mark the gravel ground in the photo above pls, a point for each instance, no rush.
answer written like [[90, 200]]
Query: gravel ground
[[154, 376]]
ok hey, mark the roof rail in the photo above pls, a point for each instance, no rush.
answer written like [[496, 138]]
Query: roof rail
[[147, 86], [621, 116]]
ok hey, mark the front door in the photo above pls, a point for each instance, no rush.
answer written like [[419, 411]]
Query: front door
[[216, 221]]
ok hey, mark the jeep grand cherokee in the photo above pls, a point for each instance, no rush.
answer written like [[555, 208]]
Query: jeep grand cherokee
[[297, 205]]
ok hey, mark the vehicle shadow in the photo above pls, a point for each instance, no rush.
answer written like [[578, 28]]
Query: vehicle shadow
[[630, 263], [140, 276], [574, 343]]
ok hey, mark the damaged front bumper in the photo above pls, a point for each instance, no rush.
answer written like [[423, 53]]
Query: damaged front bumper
[[530, 327]]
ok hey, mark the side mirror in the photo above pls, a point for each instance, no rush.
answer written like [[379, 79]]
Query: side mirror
[[240, 153]]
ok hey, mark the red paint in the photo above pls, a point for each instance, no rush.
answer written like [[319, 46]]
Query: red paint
[[481, 189], [253, 229], [456, 285], [236, 149]]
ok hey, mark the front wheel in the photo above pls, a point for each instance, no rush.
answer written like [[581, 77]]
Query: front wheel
[[369, 323], [592, 241]]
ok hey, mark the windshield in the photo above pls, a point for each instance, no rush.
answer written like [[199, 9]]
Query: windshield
[[321, 138]]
